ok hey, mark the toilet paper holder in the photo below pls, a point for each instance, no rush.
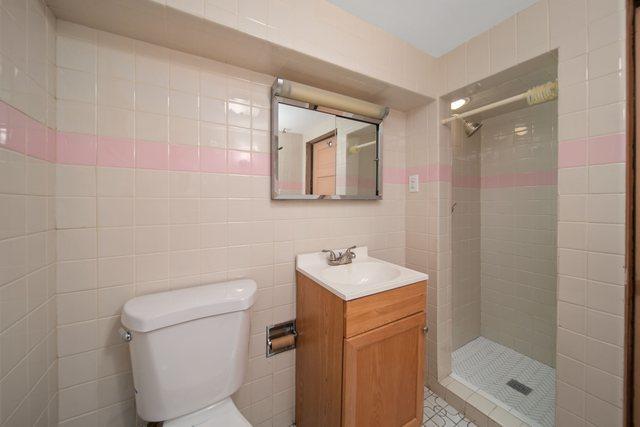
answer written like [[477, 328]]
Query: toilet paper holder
[[281, 337]]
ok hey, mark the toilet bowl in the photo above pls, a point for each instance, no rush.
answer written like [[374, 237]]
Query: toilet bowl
[[189, 353]]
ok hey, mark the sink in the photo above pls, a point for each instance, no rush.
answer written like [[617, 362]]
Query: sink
[[360, 273], [365, 276]]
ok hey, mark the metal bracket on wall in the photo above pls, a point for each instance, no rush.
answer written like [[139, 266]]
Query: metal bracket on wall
[[281, 337]]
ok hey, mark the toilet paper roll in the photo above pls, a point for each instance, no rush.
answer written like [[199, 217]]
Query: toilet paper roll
[[282, 342]]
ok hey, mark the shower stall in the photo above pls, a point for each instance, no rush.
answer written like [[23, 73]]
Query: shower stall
[[503, 242]]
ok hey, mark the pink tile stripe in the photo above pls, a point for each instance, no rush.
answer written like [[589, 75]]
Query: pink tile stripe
[[151, 155], [239, 162], [290, 185], [23, 134], [115, 152], [572, 153], [260, 164], [466, 181], [430, 173], [36, 140], [213, 160], [608, 149], [76, 149], [524, 179], [598, 150], [184, 158]]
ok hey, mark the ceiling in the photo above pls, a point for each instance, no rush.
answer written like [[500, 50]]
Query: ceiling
[[434, 26]]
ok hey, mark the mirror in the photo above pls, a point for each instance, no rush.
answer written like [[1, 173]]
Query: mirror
[[323, 154]]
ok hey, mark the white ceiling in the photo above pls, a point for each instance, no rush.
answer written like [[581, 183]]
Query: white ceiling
[[434, 26]]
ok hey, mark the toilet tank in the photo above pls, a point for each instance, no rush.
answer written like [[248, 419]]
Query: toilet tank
[[188, 347]]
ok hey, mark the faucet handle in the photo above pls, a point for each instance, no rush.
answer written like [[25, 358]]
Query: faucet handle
[[349, 253], [332, 254]]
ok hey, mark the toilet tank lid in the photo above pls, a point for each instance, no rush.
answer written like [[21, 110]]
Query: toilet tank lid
[[154, 311]]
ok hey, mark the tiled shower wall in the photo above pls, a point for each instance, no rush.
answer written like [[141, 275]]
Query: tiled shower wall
[[28, 364], [589, 36], [163, 182], [518, 230], [465, 236]]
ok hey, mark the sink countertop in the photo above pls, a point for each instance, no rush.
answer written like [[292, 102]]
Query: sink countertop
[[314, 266]]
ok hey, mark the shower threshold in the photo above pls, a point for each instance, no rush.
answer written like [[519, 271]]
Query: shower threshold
[[519, 384]]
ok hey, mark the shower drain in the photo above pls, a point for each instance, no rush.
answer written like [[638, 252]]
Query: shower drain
[[519, 387]]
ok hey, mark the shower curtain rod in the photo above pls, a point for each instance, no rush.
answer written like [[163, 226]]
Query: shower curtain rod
[[535, 95]]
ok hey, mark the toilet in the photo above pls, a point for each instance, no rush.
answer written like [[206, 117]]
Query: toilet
[[189, 351]]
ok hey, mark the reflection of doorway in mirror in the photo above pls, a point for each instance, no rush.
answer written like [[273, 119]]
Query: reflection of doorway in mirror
[[359, 169], [323, 167]]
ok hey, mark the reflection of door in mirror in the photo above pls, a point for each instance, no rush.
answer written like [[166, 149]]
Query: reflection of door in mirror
[[323, 169]]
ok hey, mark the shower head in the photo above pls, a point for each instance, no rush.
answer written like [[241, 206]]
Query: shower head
[[471, 127]]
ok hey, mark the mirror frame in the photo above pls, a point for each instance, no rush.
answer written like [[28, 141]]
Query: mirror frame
[[276, 100]]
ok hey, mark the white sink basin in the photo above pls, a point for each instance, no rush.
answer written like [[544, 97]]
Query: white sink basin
[[365, 276], [360, 273]]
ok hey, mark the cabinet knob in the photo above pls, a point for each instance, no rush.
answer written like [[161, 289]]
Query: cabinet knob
[[425, 330]]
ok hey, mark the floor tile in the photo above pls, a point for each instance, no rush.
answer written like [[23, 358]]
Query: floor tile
[[437, 412], [488, 366]]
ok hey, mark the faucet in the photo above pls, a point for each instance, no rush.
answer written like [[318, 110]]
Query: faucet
[[341, 258]]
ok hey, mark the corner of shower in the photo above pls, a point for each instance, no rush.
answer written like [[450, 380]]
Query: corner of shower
[[503, 246]]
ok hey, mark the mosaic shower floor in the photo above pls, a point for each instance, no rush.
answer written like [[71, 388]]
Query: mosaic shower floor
[[486, 366], [439, 413]]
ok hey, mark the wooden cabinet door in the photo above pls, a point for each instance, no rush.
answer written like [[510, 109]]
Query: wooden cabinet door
[[383, 377], [324, 167]]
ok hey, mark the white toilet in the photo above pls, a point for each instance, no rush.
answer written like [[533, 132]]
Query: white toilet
[[189, 353]]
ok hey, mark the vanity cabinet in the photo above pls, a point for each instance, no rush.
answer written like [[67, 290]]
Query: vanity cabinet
[[359, 362]]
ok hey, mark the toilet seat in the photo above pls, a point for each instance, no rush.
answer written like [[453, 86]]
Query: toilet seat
[[221, 414]]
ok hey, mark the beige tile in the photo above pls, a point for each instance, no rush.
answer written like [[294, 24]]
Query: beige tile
[[76, 307], [601, 413], [606, 30], [571, 398], [111, 300], [77, 369], [607, 178], [78, 400], [503, 45], [604, 386], [605, 327], [572, 317], [478, 58], [570, 372], [532, 34], [76, 275], [500, 417], [567, 27], [604, 356], [115, 271]]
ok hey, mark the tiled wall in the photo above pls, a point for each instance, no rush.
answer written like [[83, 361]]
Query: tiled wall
[[322, 30], [465, 236], [427, 227], [28, 365], [518, 230], [163, 183], [589, 36]]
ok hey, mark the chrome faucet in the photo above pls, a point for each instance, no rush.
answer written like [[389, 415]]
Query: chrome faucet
[[341, 258]]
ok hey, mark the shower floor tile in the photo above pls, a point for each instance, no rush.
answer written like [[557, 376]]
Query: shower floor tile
[[487, 366]]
